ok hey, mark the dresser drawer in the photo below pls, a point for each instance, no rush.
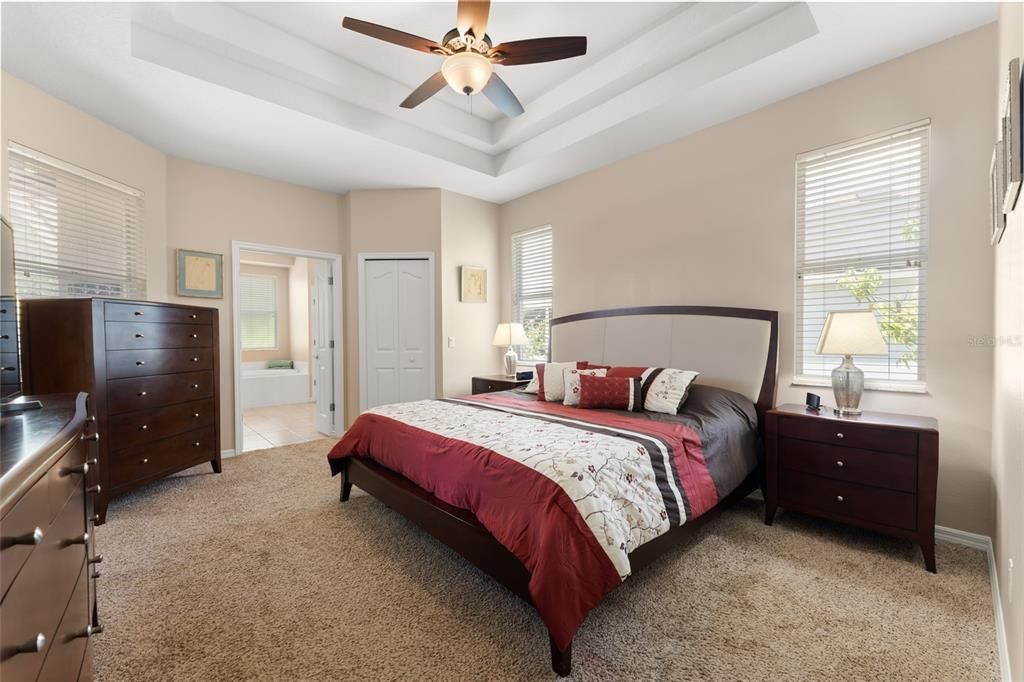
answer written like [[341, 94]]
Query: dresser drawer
[[65, 478], [129, 395], [844, 501], [140, 363], [137, 312], [170, 454], [883, 470], [64, 660], [37, 599], [146, 426], [141, 335], [32, 511], [854, 436]]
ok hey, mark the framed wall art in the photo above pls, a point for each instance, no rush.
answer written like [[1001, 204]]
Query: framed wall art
[[1011, 136], [199, 274], [474, 284], [998, 193]]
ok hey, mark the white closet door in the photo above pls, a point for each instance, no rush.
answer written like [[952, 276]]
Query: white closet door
[[382, 361], [414, 313], [320, 309]]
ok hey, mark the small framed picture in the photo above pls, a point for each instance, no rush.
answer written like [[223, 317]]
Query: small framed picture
[[998, 192], [474, 284], [199, 274], [1011, 137]]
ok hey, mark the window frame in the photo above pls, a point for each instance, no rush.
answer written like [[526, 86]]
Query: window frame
[[243, 312], [528, 363], [800, 376]]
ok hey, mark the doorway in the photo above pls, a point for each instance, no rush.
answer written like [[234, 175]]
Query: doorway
[[396, 328], [287, 345]]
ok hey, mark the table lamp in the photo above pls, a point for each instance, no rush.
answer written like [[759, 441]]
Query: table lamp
[[849, 333], [510, 334]]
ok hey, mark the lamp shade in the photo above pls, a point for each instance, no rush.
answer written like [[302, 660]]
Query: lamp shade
[[510, 334], [851, 332]]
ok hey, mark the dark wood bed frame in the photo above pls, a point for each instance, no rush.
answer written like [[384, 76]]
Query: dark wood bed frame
[[461, 531]]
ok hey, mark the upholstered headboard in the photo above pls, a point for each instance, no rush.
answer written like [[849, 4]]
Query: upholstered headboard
[[734, 348]]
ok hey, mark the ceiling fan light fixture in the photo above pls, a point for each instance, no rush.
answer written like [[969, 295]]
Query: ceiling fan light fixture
[[467, 72]]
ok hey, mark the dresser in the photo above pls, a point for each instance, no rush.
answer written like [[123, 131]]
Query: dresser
[[497, 382], [876, 470], [153, 372], [47, 555]]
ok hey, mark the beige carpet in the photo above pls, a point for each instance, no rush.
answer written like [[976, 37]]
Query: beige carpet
[[260, 573]]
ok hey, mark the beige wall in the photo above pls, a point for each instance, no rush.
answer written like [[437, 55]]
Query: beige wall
[[284, 339], [1008, 391], [709, 219], [470, 236], [34, 119]]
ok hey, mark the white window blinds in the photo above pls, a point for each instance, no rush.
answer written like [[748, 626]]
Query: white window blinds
[[862, 243], [257, 312], [76, 233], [532, 291]]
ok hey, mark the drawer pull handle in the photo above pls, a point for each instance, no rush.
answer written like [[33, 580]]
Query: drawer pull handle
[[195, 386], [32, 646], [33, 538], [94, 489], [140, 363], [138, 313], [82, 469], [839, 498], [140, 336], [142, 394], [89, 631], [98, 559], [91, 436], [95, 518], [95, 575], [195, 336], [839, 463], [145, 460], [91, 419], [80, 540], [839, 435]]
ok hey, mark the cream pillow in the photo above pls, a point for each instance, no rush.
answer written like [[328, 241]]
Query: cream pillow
[[665, 390], [552, 383], [571, 379]]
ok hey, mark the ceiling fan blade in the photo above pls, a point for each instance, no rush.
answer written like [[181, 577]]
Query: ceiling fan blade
[[425, 91], [472, 17], [390, 35], [502, 97], [538, 50]]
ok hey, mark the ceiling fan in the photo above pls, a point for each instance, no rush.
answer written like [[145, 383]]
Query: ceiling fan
[[470, 56]]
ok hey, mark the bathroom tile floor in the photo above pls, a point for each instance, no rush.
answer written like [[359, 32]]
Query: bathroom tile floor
[[268, 427]]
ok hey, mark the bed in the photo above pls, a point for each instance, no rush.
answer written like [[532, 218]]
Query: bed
[[561, 504]]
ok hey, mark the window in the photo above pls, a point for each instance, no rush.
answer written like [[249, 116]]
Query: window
[[257, 311], [531, 291], [76, 233], [862, 243]]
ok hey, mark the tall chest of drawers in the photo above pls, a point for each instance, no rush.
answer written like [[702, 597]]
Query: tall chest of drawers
[[153, 369]]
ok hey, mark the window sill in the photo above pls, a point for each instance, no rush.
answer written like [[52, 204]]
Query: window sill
[[917, 388]]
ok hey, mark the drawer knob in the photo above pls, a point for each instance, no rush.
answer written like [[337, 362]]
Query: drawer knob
[[193, 316], [839, 435], [195, 336], [32, 646], [95, 518], [144, 427], [839, 463], [196, 444], [195, 385], [142, 394], [140, 336], [91, 436], [138, 313], [94, 489], [82, 469], [140, 363], [33, 538], [98, 559], [195, 415], [4, 337], [91, 419], [839, 498], [95, 575], [195, 359], [89, 631], [145, 460], [80, 540]]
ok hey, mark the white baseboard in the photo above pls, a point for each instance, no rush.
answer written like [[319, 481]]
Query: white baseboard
[[228, 453], [984, 543]]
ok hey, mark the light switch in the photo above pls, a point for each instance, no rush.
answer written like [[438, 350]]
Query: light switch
[[451, 342]]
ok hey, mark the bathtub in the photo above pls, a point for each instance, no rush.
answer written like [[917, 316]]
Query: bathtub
[[262, 387]]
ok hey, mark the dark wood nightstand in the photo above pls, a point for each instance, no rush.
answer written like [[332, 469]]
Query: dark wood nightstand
[[877, 470], [497, 382]]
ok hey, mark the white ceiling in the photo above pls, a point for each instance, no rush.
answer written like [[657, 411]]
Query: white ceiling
[[280, 90]]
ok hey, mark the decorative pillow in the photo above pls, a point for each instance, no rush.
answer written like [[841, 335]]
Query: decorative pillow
[[613, 393], [571, 378], [626, 371], [591, 365], [665, 390], [550, 382]]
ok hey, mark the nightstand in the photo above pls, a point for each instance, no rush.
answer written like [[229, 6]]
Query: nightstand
[[497, 382], [876, 470]]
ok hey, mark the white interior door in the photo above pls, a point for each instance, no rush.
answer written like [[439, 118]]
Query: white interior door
[[320, 307], [397, 313]]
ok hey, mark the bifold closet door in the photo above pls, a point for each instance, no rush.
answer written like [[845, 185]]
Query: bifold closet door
[[398, 314]]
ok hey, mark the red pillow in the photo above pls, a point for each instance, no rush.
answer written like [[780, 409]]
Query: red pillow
[[590, 365], [626, 371], [613, 393]]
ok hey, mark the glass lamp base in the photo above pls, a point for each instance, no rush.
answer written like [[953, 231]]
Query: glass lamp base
[[848, 387]]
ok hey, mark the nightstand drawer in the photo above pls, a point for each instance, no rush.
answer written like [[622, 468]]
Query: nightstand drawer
[[878, 469], [852, 436], [842, 500]]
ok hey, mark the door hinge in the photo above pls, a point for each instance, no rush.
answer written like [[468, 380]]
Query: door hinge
[[330, 344], [330, 281], [331, 408]]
